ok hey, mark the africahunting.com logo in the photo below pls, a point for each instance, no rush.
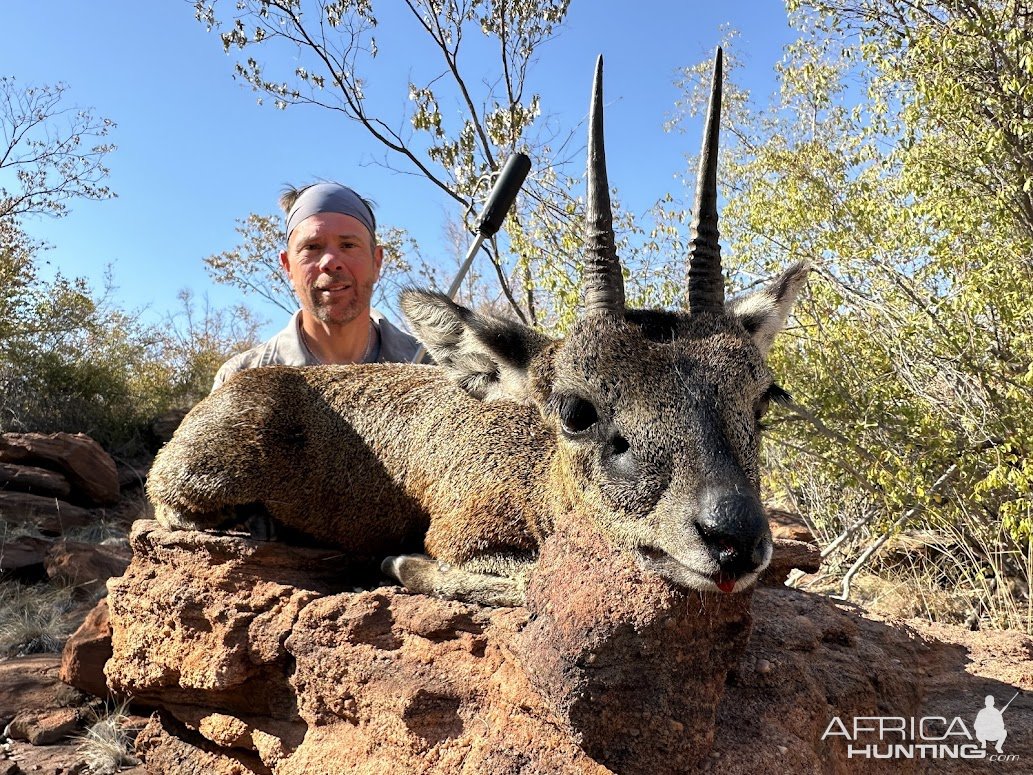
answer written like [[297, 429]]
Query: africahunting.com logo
[[928, 737]]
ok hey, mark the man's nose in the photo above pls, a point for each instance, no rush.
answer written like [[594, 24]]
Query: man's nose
[[332, 261]]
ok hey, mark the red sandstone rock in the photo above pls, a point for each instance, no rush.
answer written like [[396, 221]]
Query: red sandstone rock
[[261, 665], [43, 727], [89, 469], [196, 612], [62, 758], [32, 684], [787, 556], [785, 524], [161, 744], [38, 481], [85, 565], [21, 552], [87, 651], [49, 516], [632, 665], [133, 476]]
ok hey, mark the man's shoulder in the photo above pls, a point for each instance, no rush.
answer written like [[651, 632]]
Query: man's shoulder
[[248, 359], [396, 345], [284, 349]]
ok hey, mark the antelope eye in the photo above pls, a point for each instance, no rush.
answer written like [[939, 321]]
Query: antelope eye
[[576, 414]]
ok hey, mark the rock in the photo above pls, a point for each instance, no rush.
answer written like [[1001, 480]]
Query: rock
[[43, 727], [808, 661], [186, 595], [61, 758], [22, 556], [132, 477], [88, 468], [828, 660], [259, 663], [38, 481], [87, 651], [85, 565], [632, 665], [785, 524], [264, 661], [161, 744], [163, 426], [789, 555], [49, 516], [32, 684]]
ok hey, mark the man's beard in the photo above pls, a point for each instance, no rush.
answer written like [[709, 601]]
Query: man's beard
[[329, 311]]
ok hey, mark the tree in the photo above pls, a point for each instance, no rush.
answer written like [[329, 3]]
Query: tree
[[96, 368], [16, 274], [333, 46], [184, 352], [70, 358], [50, 153], [46, 160], [897, 161], [333, 52]]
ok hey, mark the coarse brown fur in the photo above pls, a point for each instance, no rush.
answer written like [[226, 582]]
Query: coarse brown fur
[[645, 422], [376, 458]]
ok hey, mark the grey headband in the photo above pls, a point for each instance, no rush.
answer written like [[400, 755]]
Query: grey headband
[[330, 198]]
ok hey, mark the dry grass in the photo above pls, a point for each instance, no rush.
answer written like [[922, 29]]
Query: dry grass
[[97, 532], [953, 576], [107, 744], [35, 619], [11, 530], [895, 596], [972, 573]]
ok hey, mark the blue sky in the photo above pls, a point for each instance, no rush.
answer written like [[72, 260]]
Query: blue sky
[[195, 151]]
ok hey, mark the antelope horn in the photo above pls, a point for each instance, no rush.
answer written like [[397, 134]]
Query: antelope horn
[[706, 283], [603, 281]]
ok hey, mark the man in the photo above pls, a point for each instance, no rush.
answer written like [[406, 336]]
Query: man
[[333, 261]]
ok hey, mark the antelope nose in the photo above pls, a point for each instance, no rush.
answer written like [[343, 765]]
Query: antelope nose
[[735, 530]]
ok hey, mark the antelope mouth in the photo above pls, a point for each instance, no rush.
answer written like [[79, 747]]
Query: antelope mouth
[[688, 575]]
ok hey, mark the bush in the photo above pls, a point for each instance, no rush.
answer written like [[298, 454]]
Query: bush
[[71, 360]]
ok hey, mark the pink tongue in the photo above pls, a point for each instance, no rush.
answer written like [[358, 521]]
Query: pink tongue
[[726, 585]]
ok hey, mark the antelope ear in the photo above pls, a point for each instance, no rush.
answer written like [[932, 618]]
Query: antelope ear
[[764, 313], [486, 356]]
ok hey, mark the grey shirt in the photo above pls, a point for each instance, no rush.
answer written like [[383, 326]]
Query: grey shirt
[[288, 348]]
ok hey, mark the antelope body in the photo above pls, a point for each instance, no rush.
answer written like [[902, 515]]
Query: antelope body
[[646, 422]]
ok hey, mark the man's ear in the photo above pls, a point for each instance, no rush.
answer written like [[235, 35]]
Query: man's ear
[[764, 313], [378, 261], [486, 356], [285, 262]]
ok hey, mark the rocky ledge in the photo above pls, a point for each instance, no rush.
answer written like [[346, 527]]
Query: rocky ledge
[[259, 660]]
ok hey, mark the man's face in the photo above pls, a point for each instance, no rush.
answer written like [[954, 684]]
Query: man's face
[[333, 265]]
